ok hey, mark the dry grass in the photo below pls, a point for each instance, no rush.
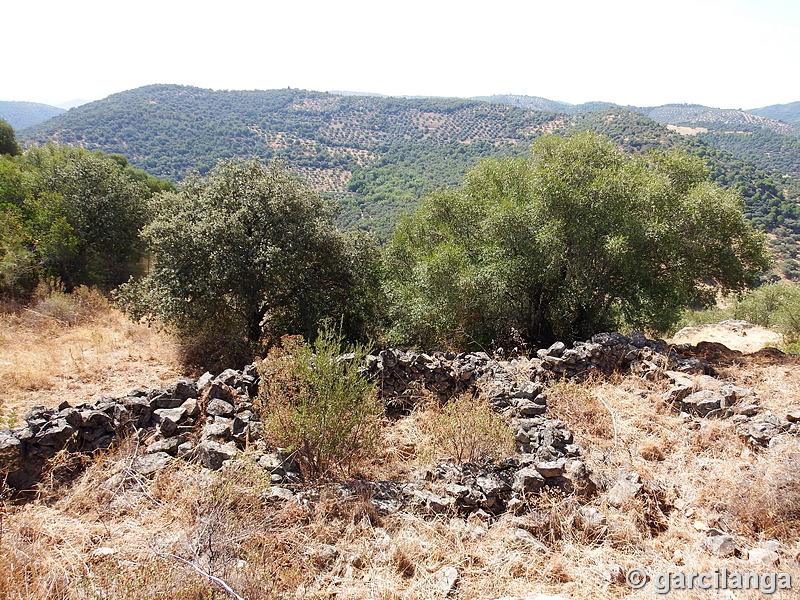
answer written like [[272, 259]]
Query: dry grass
[[114, 535], [45, 360]]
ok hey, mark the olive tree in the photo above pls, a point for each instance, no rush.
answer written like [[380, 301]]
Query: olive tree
[[576, 238], [243, 256]]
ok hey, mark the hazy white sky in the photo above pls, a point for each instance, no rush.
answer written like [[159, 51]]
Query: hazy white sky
[[721, 53]]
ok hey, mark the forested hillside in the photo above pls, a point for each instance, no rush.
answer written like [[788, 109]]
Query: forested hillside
[[172, 130], [379, 155]]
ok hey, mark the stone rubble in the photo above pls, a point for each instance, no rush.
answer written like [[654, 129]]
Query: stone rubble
[[213, 419]]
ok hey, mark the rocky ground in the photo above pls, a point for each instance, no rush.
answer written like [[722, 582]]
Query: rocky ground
[[628, 453]]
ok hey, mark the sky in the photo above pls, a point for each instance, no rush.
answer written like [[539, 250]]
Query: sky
[[719, 53]]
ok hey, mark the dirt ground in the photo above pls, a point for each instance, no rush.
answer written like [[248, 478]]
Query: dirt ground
[[736, 335], [44, 361]]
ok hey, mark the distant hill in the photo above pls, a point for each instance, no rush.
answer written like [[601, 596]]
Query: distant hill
[[172, 130], [715, 118], [72, 103], [790, 113], [378, 155], [534, 102], [24, 114], [537, 103], [781, 118], [340, 143]]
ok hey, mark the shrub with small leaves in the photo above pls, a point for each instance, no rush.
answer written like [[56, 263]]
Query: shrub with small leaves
[[321, 405]]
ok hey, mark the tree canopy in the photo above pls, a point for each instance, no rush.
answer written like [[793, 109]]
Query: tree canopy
[[247, 253], [69, 214], [8, 139], [574, 239]]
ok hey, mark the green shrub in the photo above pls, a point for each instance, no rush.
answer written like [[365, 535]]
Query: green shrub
[[694, 317], [244, 255], [776, 306], [320, 404], [578, 238]]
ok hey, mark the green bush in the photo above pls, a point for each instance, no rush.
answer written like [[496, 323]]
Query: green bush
[[321, 405], [576, 239], [244, 255], [776, 306]]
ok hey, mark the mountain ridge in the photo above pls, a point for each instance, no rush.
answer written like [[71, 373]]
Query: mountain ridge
[[20, 114], [377, 155]]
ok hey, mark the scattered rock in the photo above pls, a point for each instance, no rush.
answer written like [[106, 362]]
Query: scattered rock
[[719, 543], [168, 445], [613, 573], [212, 454], [444, 580], [220, 429], [323, 555], [279, 493], [525, 538], [553, 468], [703, 403], [147, 464], [625, 489], [528, 481], [763, 556], [761, 429], [219, 408], [593, 520]]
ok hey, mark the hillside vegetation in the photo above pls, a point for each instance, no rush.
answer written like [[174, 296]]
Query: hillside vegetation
[[790, 113], [25, 114], [378, 155]]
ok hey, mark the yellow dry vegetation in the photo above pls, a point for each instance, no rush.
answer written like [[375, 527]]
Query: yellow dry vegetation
[[115, 535], [45, 360]]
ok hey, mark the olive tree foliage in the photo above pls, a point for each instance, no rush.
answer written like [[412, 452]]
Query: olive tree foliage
[[243, 256], [574, 239], [85, 215]]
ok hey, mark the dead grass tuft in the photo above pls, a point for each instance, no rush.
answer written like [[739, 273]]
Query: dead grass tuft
[[465, 430], [578, 405], [765, 499]]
